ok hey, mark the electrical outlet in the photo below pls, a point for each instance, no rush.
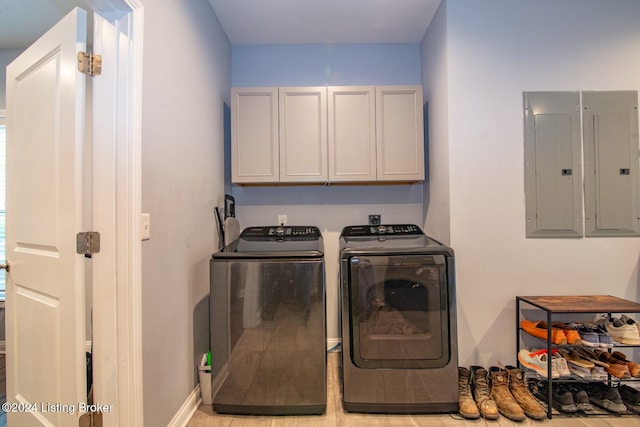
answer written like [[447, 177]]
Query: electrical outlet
[[282, 219], [375, 219]]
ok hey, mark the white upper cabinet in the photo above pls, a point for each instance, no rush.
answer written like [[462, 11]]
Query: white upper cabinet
[[335, 134], [399, 133], [254, 135], [303, 134], [352, 134]]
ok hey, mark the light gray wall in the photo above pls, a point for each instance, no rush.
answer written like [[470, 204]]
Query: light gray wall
[[333, 207], [436, 95], [187, 64], [496, 49], [6, 57]]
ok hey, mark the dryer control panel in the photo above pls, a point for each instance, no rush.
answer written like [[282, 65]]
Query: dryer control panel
[[380, 230]]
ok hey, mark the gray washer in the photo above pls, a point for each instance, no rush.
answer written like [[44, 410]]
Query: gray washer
[[268, 327]]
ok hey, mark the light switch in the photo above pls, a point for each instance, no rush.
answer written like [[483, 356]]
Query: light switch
[[145, 226]]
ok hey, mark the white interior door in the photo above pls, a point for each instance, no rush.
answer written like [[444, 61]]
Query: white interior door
[[45, 314]]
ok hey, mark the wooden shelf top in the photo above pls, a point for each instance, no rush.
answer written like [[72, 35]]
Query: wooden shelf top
[[583, 304]]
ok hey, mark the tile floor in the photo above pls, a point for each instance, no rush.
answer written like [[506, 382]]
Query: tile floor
[[337, 417]]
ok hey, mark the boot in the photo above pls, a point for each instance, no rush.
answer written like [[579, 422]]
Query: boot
[[523, 396], [468, 408], [480, 389], [500, 393]]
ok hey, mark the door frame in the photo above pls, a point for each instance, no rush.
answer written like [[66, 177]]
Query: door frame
[[117, 277]]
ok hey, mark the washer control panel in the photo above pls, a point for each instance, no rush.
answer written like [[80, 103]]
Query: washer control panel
[[281, 232]]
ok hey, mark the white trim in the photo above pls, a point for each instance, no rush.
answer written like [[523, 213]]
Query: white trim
[[188, 408], [117, 269]]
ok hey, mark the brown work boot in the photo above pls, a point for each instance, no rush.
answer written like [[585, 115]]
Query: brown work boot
[[481, 394], [523, 396], [500, 393], [468, 408]]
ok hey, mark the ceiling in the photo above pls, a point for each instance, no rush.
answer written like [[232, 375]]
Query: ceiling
[[324, 21], [258, 21]]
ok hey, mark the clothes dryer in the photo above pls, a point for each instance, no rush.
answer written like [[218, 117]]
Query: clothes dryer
[[398, 321]]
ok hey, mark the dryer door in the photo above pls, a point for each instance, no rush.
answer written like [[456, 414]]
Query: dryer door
[[399, 311]]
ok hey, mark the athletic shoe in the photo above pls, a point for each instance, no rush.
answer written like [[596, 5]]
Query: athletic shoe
[[589, 337], [622, 332], [537, 361], [629, 321], [606, 397], [561, 397], [631, 397], [580, 398], [603, 335], [560, 364]]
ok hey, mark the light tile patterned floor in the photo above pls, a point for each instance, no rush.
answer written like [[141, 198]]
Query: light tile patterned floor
[[337, 417]]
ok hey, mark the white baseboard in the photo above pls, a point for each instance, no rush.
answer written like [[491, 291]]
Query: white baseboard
[[188, 408]]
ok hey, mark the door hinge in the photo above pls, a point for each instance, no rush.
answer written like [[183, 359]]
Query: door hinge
[[88, 243], [89, 64], [90, 419]]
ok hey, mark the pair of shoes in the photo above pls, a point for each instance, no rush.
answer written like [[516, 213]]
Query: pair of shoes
[[622, 331], [507, 405], [538, 362], [604, 338], [628, 320], [573, 357], [630, 397], [522, 395], [591, 356], [589, 337], [634, 368], [560, 363], [534, 328], [573, 337], [480, 390], [606, 397], [561, 396], [580, 398], [467, 406], [616, 367]]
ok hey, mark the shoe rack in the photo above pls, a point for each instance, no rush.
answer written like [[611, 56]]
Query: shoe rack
[[562, 305]]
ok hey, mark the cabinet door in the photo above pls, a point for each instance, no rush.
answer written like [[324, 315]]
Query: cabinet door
[[254, 135], [352, 134], [553, 170], [610, 132], [303, 134], [399, 133]]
